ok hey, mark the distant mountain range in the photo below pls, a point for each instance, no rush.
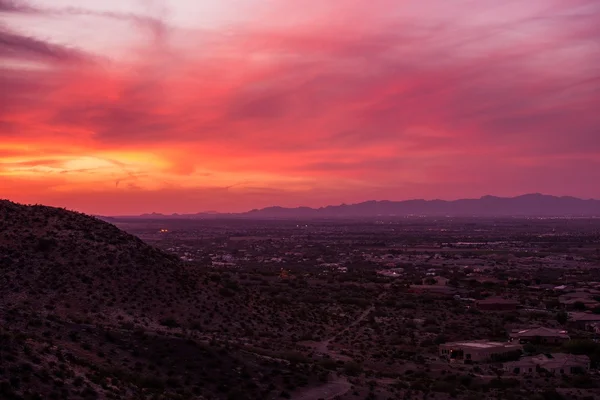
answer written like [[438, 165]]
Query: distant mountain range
[[529, 205]]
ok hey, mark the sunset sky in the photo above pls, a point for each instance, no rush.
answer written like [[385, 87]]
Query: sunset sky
[[132, 106]]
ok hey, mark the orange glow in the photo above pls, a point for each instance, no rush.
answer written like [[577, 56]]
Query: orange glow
[[295, 104]]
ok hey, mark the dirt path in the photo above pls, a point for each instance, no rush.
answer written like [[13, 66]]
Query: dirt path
[[327, 391], [357, 321], [322, 346]]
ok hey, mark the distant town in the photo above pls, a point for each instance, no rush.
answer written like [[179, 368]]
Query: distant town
[[491, 302]]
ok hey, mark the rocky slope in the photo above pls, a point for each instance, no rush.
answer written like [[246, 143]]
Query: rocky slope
[[89, 311]]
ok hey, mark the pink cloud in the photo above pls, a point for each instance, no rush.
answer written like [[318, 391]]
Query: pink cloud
[[382, 97]]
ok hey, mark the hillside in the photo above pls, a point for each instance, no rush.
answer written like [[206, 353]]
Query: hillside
[[89, 311], [70, 262], [270, 310]]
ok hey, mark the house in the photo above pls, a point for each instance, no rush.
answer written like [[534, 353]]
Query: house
[[543, 286], [484, 279], [583, 320], [497, 304], [573, 304], [539, 336], [558, 363], [479, 350], [392, 272], [438, 290], [585, 298]]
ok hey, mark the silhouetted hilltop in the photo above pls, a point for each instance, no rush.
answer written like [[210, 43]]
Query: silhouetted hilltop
[[88, 311], [55, 258]]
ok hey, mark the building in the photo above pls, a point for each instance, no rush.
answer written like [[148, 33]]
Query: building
[[479, 350], [574, 304], [577, 299], [392, 273], [497, 304], [584, 320], [558, 363], [540, 336], [544, 286], [436, 290]]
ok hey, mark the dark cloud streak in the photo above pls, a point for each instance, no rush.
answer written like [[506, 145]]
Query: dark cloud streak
[[14, 6], [16, 46]]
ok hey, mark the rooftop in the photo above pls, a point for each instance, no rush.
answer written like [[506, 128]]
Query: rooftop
[[584, 316], [540, 331], [482, 344], [497, 300]]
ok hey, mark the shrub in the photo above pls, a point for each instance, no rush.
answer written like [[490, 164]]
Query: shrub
[[562, 317], [352, 369], [169, 323]]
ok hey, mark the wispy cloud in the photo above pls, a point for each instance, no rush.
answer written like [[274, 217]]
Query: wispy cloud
[[20, 47], [15, 6], [298, 98]]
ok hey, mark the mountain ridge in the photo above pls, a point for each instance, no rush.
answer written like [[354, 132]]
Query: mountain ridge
[[527, 205]]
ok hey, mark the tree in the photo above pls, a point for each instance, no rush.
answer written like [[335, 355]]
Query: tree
[[552, 394], [552, 304], [440, 339], [584, 347], [352, 368], [562, 317], [529, 348], [453, 282]]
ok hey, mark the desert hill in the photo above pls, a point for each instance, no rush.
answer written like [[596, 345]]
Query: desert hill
[[66, 261], [89, 311]]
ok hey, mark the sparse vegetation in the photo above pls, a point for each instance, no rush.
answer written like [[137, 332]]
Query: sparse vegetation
[[269, 310]]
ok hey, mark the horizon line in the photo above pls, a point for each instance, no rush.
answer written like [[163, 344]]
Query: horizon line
[[210, 212]]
